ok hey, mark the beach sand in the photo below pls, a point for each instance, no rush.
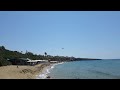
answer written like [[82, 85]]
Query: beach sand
[[21, 72]]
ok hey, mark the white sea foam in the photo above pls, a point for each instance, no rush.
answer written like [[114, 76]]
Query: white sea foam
[[42, 76], [45, 72]]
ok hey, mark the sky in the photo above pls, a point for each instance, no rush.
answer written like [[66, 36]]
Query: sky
[[85, 34]]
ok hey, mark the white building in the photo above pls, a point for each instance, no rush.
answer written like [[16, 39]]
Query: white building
[[34, 62]]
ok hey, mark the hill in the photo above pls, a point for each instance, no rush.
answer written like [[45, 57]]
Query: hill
[[6, 54]]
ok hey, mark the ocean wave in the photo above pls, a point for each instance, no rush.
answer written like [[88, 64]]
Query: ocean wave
[[42, 76], [45, 72]]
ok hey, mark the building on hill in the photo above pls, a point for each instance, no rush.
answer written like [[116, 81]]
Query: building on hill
[[26, 61], [34, 62]]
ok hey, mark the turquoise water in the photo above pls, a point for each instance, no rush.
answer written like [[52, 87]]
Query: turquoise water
[[93, 69]]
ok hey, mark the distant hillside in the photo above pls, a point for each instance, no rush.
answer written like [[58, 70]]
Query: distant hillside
[[79, 59], [6, 54]]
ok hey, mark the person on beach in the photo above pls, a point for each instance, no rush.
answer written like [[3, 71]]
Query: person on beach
[[17, 66]]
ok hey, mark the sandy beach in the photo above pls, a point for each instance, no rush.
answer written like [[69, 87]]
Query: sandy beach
[[21, 72]]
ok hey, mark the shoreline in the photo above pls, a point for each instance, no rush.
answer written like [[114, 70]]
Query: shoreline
[[44, 73], [22, 72]]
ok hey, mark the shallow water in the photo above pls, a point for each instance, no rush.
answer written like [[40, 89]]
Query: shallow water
[[46, 71], [93, 69]]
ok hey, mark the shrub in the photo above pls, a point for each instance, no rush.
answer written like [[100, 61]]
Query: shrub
[[4, 62]]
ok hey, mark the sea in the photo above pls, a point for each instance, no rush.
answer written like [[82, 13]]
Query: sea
[[84, 69]]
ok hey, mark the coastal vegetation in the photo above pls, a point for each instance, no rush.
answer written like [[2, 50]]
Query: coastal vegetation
[[6, 54]]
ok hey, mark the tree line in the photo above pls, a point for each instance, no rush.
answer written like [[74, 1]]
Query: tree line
[[6, 54]]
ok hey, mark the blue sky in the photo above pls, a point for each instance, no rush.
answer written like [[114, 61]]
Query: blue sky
[[89, 34]]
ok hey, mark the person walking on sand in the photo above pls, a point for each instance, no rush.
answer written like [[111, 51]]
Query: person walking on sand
[[17, 66]]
